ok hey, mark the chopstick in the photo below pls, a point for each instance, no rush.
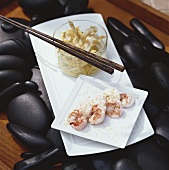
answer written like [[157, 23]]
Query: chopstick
[[93, 59]]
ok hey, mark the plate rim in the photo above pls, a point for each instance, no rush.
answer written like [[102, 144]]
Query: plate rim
[[59, 124], [76, 152]]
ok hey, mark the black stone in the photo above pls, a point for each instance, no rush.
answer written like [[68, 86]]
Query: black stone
[[38, 5], [53, 135], [22, 49], [148, 155], [160, 76], [9, 28], [162, 142], [162, 127], [30, 139], [9, 77], [125, 164], [141, 80], [45, 160], [11, 62], [27, 155], [133, 52], [32, 85], [18, 34], [160, 82], [100, 164], [9, 93], [30, 111], [152, 112], [75, 7], [130, 46], [42, 9], [143, 30]]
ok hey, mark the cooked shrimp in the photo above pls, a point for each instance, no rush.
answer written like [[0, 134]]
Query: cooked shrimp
[[114, 109], [98, 115], [127, 100], [86, 108], [98, 110], [77, 120], [111, 94]]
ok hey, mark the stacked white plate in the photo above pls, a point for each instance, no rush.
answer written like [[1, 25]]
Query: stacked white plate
[[65, 92]]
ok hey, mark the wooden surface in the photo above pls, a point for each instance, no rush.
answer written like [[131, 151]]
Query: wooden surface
[[3, 2], [145, 12], [9, 148]]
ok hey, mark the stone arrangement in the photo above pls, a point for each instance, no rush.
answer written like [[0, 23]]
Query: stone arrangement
[[24, 99]]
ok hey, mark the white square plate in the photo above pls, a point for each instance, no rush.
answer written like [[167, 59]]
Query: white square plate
[[111, 131], [59, 86]]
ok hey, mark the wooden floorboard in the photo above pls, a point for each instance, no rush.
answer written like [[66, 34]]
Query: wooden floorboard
[[8, 7]]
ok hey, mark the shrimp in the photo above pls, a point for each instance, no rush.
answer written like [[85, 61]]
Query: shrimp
[[114, 109], [77, 120], [98, 110], [127, 100], [86, 108], [111, 94]]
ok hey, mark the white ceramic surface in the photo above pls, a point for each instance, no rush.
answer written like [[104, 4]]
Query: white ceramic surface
[[112, 131], [59, 86]]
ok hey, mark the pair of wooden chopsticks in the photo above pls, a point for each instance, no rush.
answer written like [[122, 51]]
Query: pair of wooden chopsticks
[[93, 59]]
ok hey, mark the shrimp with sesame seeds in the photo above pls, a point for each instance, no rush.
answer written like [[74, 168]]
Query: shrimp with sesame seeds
[[111, 94], [86, 108], [77, 120], [114, 109], [127, 100], [98, 110]]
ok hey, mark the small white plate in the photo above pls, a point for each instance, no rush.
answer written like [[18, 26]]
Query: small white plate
[[59, 86], [112, 131]]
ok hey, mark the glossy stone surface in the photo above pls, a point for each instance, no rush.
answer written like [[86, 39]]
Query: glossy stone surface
[[32, 140], [42, 9], [30, 111], [19, 48], [125, 164], [9, 77], [141, 80], [143, 30], [162, 127], [100, 164], [53, 135], [160, 73], [44, 160], [10, 93], [138, 60], [11, 62], [30, 85], [38, 5], [162, 142], [160, 81], [75, 7], [146, 154], [152, 112], [9, 28], [16, 43]]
